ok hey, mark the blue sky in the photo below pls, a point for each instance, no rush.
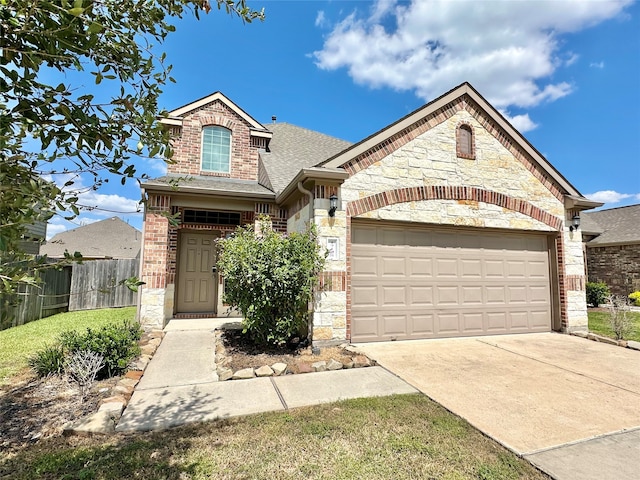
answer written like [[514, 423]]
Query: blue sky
[[566, 73]]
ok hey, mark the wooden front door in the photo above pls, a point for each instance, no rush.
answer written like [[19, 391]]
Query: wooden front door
[[197, 281]]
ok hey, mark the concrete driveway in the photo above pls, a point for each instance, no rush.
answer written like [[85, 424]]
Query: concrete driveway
[[545, 396]]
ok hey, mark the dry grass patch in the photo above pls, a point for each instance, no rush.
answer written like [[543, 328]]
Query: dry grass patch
[[399, 437]]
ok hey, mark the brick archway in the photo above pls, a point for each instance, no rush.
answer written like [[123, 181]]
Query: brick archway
[[444, 192]]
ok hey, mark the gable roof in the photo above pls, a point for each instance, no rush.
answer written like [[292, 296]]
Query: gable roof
[[174, 117], [464, 89], [614, 226], [109, 238], [294, 148]]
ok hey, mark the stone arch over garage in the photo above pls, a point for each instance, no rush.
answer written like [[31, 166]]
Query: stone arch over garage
[[444, 192]]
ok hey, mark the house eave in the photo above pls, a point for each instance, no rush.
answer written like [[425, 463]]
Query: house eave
[[578, 202], [313, 173], [154, 187]]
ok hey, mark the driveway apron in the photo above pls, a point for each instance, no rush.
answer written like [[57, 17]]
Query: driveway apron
[[531, 392]]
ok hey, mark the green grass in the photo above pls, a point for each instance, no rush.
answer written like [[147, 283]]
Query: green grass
[[17, 344], [599, 324], [399, 437]]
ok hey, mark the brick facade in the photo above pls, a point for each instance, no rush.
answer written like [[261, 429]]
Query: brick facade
[[188, 141], [616, 265]]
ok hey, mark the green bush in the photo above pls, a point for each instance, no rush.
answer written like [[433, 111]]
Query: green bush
[[116, 343], [597, 293], [635, 298], [270, 277], [48, 361]]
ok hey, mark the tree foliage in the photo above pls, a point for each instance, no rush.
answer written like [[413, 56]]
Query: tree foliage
[[270, 277], [50, 127]]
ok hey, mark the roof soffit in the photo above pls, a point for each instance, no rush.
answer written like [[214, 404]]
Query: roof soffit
[[174, 117], [445, 103]]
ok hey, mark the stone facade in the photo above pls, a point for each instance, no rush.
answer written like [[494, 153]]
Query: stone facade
[[616, 265]]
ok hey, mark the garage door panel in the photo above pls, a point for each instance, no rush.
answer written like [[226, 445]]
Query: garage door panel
[[420, 267], [420, 296], [393, 296], [448, 323], [391, 266], [446, 267], [446, 283], [365, 296], [422, 324], [366, 266]]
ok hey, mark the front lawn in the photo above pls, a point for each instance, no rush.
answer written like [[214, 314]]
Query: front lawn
[[400, 437], [17, 344], [599, 324]]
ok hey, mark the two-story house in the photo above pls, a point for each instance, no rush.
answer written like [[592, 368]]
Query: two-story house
[[445, 223]]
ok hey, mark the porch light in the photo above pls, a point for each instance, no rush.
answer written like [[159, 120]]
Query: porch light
[[333, 205], [576, 222]]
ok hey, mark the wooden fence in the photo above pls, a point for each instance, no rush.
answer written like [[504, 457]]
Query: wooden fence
[[86, 286], [35, 302], [94, 284]]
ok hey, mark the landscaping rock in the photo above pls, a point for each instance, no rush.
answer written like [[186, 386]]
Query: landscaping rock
[[279, 368], [361, 361], [320, 366], [115, 408], [113, 399], [224, 374], [264, 371], [244, 374], [128, 382], [334, 365], [633, 344], [134, 374], [102, 422], [348, 364], [304, 367]]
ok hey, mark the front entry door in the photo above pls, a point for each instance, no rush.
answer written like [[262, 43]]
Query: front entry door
[[197, 282]]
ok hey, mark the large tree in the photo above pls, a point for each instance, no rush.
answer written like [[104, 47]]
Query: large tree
[[49, 128]]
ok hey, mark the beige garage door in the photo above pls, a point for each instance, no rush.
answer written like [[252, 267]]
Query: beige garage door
[[410, 282]]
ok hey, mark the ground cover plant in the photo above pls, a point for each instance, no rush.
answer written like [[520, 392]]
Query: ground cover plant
[[399, 437], [19, 343], [600, 323]]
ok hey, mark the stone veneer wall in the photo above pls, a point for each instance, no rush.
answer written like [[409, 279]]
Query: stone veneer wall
[[499, 188], [616, 265]]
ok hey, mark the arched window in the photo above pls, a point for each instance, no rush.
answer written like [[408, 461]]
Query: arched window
[[216, 149], [465, 147]]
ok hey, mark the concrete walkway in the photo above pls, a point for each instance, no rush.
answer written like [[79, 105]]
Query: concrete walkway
[[180, 385], [568, 405]]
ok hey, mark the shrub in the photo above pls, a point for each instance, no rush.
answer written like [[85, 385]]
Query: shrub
[[597, 293], [116, 343], [270, 278], [635, 298], [619, 316], [82, 367], [48, 361]]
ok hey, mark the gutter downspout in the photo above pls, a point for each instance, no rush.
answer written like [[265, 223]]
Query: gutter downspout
[[309, 194]]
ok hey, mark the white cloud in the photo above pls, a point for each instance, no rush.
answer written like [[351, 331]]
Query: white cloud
[[611, 196], [599, 65], [522, 123], [321, 21], [572, 58], [508, 50]]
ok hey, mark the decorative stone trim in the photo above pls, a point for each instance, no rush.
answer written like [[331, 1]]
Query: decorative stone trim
[[332, 281], [217, 120], [388, 146], [445, 192], [564, 322], [575, 282]]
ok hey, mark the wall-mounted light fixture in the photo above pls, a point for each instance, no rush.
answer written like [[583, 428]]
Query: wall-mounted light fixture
[[575, 222], [333, 205]]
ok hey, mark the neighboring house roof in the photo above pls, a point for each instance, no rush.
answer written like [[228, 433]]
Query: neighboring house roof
[[614, 226], [110, 238], [294, 148]]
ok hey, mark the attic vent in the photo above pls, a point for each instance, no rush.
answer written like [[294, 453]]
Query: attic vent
[[259, 142], [208, 217]]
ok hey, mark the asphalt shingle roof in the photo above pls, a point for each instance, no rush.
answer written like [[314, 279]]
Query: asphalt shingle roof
[[293, 148], [618, 225], [217, 184], [111, 238]]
